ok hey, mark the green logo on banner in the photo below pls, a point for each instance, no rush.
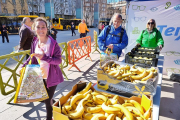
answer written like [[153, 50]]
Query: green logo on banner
[[136, 7], [172, 53], [173, 70], [168, 5], [136, 31]]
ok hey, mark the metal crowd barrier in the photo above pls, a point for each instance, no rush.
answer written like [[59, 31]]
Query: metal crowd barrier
[[78, 49]]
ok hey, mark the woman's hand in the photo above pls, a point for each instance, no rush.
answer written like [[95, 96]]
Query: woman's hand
[[138, 44], [40, 56], [160, 47], [110, 46]]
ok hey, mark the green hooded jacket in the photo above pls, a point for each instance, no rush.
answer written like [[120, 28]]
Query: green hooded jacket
[[153, 39]]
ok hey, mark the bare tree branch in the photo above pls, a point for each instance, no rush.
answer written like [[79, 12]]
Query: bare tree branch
[[35, 6], [57, 7], [22, 3], [4, 8], [14, 6]]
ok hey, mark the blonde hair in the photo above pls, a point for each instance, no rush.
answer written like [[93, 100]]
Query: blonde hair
[[152, 21], [39, 19]]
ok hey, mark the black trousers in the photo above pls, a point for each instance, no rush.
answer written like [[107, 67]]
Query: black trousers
[[5, 35], [99, 31], [49, 101], [73, 31], [82, 35], [27, 56]]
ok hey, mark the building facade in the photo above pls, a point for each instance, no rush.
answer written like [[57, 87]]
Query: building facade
[[117, 7], [88, 10], [65, 8], [13, 7]]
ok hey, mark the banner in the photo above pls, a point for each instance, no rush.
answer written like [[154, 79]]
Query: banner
[[166, 14]]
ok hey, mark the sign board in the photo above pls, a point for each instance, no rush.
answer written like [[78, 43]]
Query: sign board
[[166, 14]]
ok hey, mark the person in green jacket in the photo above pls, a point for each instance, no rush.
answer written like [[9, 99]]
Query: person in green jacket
[[150, 37]]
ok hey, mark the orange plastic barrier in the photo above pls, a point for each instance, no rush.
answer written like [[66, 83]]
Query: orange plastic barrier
[[78, 49]]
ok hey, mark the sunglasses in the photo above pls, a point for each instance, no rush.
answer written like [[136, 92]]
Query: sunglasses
[[152, 23]]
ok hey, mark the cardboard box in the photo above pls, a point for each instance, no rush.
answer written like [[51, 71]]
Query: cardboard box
[[108, 83], [57, 115]]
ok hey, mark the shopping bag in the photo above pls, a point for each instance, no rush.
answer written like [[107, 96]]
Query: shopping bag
[[31, 86], [107, 56]]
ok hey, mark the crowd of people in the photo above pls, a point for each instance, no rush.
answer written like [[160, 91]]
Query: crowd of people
[[35, 35]]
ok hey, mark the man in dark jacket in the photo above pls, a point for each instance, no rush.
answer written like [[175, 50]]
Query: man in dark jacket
[[73, 28], [4, 33], [26, 35], [53, 32]]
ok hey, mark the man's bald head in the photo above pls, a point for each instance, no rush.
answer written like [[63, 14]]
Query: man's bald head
[[27, 21], [117, 20]]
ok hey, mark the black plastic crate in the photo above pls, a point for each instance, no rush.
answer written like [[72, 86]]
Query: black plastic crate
[[145, 54], [145, 62], [156, 50]]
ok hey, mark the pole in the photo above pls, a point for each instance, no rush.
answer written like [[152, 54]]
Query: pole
[[51, 10], [127, 10]]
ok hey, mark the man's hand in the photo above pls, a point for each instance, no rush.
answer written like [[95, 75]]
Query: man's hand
[[110, 46], [160, 47], [21, 49]]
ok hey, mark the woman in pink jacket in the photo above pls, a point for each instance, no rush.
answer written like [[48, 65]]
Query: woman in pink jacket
[[48, 51]]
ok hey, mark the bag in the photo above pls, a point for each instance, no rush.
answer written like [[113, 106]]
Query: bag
[[107, 56], [31, 86]]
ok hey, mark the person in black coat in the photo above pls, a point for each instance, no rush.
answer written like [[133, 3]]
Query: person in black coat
[[53, 32], [73, 28], [4, 31]]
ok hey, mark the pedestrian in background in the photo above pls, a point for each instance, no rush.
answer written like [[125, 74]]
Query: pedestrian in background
[[100, 27], [47, 50], [4, 33], [82, 28], [26, 35], [53, 32], [73, 28]]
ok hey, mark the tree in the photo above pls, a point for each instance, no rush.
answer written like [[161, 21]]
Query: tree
[[13, 3], [5, 11], [62, 7], [57, 7], [22, 3], [72, 7], [88, 11], [35, 6]]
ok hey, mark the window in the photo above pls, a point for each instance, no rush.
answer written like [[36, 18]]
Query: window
[[5, 10], [14, 2], [22, 2], [87, 4], [15, 12], [3, 1]]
